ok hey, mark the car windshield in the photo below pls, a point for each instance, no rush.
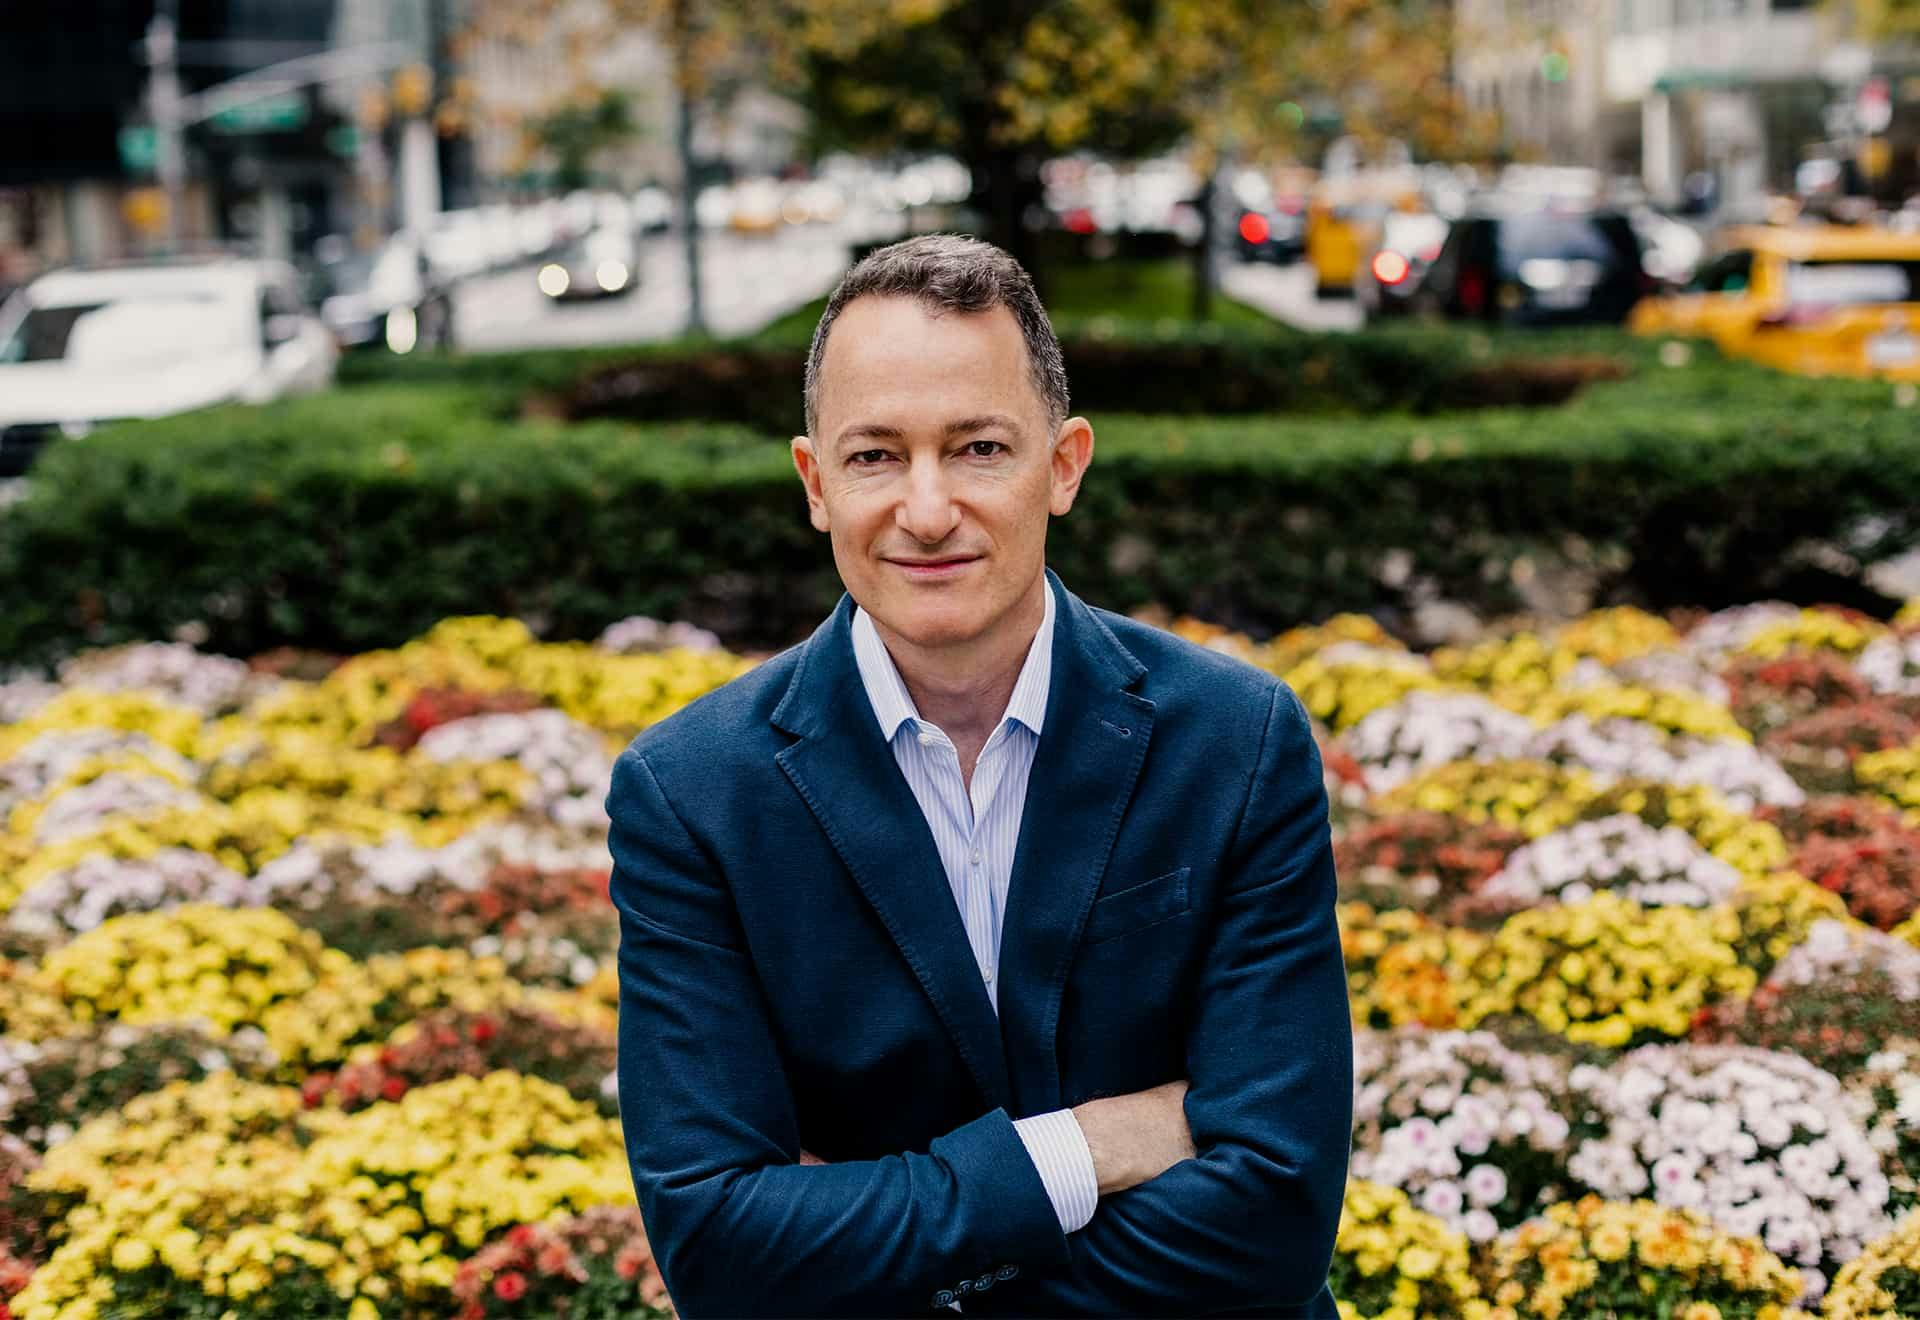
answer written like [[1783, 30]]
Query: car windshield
[[1414, 234], [127, 332], [1843, 283], [1546, 236]]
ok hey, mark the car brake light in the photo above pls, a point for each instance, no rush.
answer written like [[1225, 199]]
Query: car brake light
[[1473, 291], [1254, 228], [1389, 267]]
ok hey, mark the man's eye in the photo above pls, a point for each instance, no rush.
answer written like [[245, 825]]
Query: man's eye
[[867, 457], [985, 448]]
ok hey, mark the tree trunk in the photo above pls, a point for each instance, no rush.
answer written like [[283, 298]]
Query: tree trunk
[[1006, 184], [1203, 252]]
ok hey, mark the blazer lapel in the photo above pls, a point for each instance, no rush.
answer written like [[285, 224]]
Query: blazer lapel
[[1083, 776], [846, 773]]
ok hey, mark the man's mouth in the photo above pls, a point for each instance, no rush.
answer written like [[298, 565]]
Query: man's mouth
[[923, 568]]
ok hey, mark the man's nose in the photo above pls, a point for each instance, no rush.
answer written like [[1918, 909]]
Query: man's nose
[[927, 511]]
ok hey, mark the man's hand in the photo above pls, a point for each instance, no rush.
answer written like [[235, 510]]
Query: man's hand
[[1136, 1137], [808, 1157]]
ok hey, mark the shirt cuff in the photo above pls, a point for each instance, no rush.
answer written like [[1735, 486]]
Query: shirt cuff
[[1059, 1152]]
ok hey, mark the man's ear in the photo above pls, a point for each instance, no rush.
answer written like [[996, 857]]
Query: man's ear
[[807, 464], [1072, 452]]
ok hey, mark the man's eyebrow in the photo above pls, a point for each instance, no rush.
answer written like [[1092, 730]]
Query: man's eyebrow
[[964, 426]]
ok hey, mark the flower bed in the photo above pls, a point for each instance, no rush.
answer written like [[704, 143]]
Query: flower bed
[[307, 983]]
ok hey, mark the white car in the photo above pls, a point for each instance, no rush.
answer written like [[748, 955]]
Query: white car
[[80, 347]]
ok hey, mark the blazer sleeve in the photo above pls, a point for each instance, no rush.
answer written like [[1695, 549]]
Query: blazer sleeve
[[1250, 1221], [738, 1227]]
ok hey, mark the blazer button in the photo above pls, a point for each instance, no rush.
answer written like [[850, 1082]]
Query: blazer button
[[984, 1282], [1006, 1272], [943, 1298]]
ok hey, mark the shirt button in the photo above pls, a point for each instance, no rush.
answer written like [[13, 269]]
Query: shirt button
[[987, 972], [927, 740], [976, 857]]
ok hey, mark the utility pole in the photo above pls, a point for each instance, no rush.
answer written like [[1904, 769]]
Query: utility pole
[[680, 20], [164, 108]]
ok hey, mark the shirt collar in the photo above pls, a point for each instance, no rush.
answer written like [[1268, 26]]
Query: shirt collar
[[893, 704]]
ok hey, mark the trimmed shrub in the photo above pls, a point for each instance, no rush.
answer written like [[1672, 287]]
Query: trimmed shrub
[[357, 520]]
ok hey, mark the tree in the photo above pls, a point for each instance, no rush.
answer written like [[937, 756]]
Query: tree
[[574, 134], [1003, 84]]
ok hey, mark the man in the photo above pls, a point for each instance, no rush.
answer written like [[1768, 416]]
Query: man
[[977, 954]]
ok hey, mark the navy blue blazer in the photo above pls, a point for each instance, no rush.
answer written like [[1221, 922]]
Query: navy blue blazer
[[794, 974]]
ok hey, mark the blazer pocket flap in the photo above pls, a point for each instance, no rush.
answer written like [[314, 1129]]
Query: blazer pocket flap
[[1137, 907]]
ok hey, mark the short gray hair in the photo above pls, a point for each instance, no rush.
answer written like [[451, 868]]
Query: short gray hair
[[950, 273]]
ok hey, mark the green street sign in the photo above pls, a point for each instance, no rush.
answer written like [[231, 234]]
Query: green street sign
[[139, 148], [343, 139], [272, 114]]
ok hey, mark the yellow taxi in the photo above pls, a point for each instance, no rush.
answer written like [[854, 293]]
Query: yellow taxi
[[1817, 300], [1344, 220]]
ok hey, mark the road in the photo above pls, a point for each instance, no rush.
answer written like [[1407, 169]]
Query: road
[[748, 282], [1286, 294]]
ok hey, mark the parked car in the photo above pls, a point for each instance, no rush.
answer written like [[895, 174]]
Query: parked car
[[1536, 266], [1344, 220], [1391, 272], [602, 263], [387, 298], [1817, 300], [84, 346], [1269, 234]]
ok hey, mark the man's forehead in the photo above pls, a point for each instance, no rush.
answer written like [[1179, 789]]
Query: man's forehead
[[935, 368]]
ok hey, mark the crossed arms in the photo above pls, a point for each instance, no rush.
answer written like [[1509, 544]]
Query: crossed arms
[[741, 1226]]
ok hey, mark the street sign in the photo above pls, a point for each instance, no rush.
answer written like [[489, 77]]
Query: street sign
[[139, 148], [271, 114]]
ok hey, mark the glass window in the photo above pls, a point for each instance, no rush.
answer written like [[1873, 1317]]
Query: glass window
[[42, 336], [1730, 272], [1850, 283]]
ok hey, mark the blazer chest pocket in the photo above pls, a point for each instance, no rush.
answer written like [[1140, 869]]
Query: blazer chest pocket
[[1137, 907]]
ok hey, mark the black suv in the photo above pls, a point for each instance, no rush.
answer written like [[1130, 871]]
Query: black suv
[[1537, 267]]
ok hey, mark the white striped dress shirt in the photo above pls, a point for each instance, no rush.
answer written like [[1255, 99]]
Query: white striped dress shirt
[[975, 828]]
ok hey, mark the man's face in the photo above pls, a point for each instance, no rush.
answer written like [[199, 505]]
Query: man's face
[[933, 468]]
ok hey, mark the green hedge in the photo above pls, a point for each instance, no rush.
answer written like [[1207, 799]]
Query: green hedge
[[1115, 367], [359, 519]]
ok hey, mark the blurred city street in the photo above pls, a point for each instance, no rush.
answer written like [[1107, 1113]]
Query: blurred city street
[[747, 282]]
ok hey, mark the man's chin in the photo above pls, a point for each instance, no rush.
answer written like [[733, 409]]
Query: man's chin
[[931, 624]]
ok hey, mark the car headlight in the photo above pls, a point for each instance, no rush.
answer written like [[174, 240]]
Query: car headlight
[[403, 330], [611, 275], [553, 279]]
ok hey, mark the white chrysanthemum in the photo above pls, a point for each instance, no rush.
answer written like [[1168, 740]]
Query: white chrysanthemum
[[1455, 1110], [1373, 657], [1619, 853], [1836, 948], [566, 759], [1803, 1173], [118, 795], [174, 671], [80, 897], [49, 758], [315, 872], [1427, 729], [23, 694], [1679, 669], [639, 633], [16, 1088], [1891, 665], [1726, 631], [1621, 748]]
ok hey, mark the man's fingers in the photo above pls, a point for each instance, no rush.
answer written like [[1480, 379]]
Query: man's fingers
[[808, 1157]]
